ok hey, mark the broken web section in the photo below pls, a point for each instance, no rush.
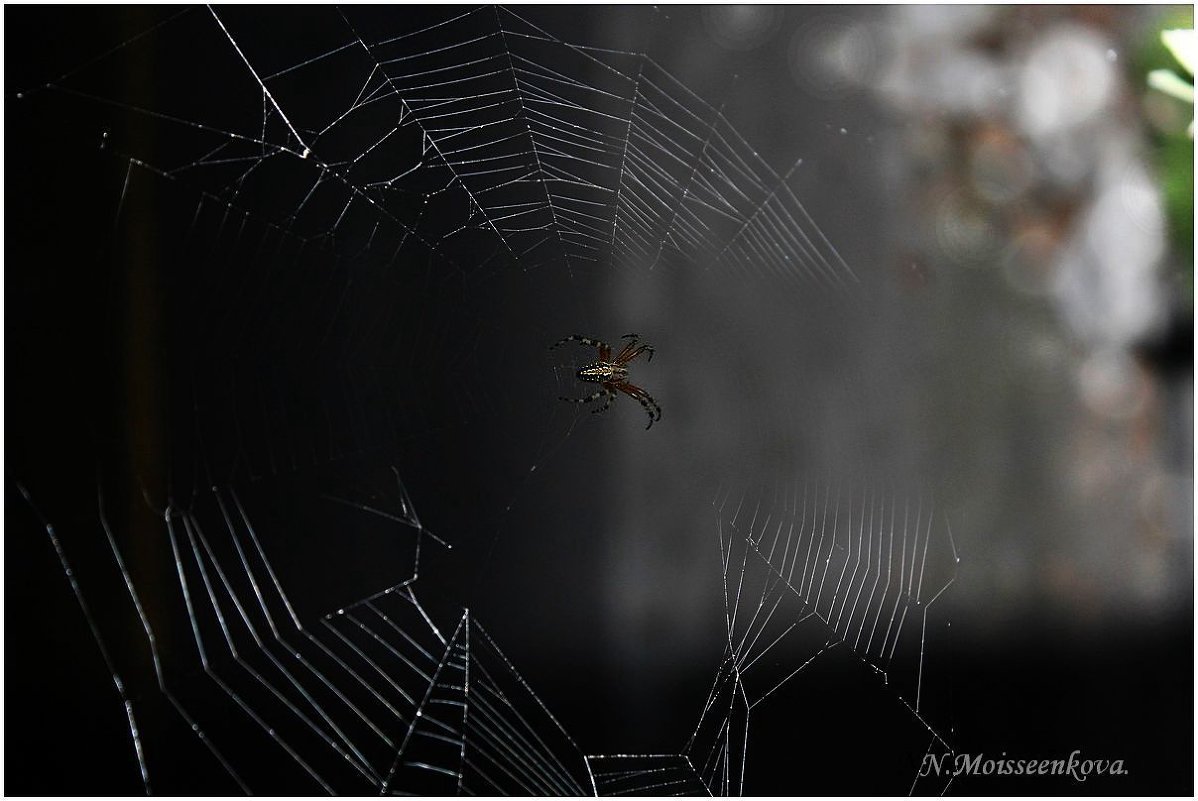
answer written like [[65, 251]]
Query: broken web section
[[830, 585], [330, 256], [371, 698]]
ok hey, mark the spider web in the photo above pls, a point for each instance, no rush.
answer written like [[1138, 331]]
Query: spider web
[[808, 579], [317, 259]]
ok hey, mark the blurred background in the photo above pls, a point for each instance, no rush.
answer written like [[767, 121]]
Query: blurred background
[[1023, 200], [1014, 193]]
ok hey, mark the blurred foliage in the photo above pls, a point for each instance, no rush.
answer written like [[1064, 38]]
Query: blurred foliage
[[1184, 47], [1173, 149]]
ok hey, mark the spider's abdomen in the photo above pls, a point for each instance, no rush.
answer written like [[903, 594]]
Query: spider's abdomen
[[599, 372]]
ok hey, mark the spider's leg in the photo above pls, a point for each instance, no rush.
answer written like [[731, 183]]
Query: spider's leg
[[604, 352], [628, 355], [624, 353], [647, 401], [589, 398], [594, 343], [611, 396], [644, 398]]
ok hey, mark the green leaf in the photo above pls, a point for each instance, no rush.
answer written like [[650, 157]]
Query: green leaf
[[1183, 45], [1171, 84]]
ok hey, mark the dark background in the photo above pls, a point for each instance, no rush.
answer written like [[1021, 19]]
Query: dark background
[[599, 573]]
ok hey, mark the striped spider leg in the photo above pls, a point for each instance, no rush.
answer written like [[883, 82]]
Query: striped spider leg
[[633, 349], [607, 392], [642, 397], [604, 348]]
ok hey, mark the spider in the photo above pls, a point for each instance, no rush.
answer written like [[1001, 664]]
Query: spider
[[612, 374]]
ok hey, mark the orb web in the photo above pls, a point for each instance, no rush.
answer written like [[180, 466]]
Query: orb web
[[314, 255]]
